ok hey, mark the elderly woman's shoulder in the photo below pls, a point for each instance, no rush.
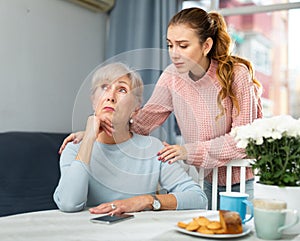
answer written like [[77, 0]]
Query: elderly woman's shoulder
[[147, 141], [71, 148]]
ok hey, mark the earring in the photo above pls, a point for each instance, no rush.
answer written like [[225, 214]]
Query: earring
[[131, 121]]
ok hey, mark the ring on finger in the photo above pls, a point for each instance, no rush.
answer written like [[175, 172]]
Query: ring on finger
[[113, 206]]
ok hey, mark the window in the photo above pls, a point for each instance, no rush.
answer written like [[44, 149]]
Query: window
[[267, 36]]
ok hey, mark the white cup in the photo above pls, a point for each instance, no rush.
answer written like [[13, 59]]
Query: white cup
[[269, 218]]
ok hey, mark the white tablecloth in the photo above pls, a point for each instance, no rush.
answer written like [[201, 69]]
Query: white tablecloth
[[58, 226]]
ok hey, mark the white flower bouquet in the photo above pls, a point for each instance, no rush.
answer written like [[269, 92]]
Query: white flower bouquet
[[274, 143]]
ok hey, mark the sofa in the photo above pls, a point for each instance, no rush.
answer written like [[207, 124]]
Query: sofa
[[29, 171]]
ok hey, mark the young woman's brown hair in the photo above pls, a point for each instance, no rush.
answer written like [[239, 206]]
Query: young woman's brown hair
[[212, 25]]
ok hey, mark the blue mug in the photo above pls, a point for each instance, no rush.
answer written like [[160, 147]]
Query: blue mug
[[236, 201]]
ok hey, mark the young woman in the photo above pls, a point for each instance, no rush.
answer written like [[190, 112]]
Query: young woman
[[120, 172], [209, 90]]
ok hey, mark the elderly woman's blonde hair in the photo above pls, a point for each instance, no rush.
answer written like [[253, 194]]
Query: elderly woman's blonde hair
[[114, 71]]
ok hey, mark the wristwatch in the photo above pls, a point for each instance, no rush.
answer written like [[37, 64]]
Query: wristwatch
[[156, 203]]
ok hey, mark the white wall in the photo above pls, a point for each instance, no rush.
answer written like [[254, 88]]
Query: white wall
[[47, 49]]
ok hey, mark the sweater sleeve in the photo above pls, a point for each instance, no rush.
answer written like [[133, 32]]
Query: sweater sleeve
[[187, 192], [71, 193], [218, 151], [157, 109]]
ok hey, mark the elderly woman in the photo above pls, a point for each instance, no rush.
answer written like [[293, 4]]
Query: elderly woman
[[120, 172]]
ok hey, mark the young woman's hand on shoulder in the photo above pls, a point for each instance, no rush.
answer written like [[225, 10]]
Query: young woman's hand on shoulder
[[172, 153], [73, 137]]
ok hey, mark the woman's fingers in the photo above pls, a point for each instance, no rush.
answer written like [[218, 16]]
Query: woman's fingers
[[172, 153], [78, 137], [113, 208], [167, 154], [107, 128], [73, 137], [101, 209], [68, 139], [105, 125]]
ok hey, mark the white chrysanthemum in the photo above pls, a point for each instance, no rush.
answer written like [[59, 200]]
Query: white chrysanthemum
[[242, 144], [259, 141], [272, 128]]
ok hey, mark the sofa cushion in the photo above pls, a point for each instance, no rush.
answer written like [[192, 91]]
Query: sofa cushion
[[29, 171]]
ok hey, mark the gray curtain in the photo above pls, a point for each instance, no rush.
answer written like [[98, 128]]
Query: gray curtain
[[137, 37]]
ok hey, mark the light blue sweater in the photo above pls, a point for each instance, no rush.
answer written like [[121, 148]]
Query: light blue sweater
[[122, 171]]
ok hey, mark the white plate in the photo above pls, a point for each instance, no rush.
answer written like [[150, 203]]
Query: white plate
[[246, 230]]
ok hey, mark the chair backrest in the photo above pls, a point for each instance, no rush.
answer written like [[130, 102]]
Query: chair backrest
[[242, 163], [29, 171]]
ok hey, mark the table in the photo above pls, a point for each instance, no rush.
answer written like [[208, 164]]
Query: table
[[55, 225]]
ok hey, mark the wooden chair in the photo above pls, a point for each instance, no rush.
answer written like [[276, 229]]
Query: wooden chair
[[242, 163]]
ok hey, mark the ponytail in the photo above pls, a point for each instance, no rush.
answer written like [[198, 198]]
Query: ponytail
[[226, 62]]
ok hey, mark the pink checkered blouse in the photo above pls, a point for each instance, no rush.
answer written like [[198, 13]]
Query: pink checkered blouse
[[194, 104]]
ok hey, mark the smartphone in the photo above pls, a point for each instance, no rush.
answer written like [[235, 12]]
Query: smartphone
[[108, 219]]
